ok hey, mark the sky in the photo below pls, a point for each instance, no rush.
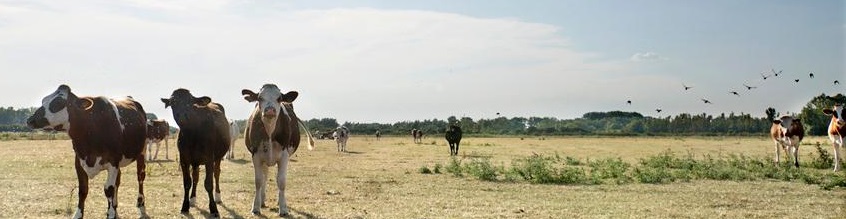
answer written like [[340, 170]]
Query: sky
[[393, 60]]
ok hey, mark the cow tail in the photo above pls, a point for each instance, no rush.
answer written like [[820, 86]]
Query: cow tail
[[308, 134]]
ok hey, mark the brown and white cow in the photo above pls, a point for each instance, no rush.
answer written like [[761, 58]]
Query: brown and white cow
[[787, 132], [341, 135], [106, 134], [417, 135], [203, 140], [272, 136], [836, 130], [157, 130]]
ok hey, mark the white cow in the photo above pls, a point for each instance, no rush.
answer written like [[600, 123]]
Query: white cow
[[836, 130], [234, 132], [341, 135], [272, 136]]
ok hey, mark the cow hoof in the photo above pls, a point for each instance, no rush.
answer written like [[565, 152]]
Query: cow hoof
[[256, 212], [283, 214]]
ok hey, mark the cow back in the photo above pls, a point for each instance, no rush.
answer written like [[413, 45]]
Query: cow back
[[101, 131], [207, 138]]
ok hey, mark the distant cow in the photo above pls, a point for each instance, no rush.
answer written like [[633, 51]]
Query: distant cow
[[341, 135], [836, 130], [378, 135], [787, 132], [157, 130], [453, 137], [234, 133], [272, 136], [203, 140], [417, 135], [106, 134]]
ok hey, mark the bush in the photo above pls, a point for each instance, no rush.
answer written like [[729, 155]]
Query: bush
[[614, 169], [437, 169], [424, 170], [823, 160], [482, 169], [454, 167]]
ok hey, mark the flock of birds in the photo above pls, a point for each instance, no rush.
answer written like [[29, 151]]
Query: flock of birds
[[764, 77]]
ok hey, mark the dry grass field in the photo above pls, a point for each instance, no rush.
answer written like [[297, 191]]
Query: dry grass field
[[379, 179]]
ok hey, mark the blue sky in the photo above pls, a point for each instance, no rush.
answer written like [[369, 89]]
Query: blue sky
[[385, 61]]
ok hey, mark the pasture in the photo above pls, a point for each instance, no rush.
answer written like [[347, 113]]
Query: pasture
[[380, 179]]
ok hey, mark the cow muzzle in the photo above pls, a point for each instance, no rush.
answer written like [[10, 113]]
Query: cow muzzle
[[37, 120], [269, 112]]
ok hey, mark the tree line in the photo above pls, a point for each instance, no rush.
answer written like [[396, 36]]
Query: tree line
[[591, 123]]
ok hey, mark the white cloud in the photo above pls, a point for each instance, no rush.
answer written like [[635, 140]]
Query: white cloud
[[347, 63], [647, 56]]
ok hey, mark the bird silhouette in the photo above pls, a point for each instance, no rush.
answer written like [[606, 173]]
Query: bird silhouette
[[796, 80], [749, 87], [706, 101], [811, 74], [497, 113], [836, 82], [658, 110], [686, 87], [776, 73], [735, 93], [764, 76], [629, 102]]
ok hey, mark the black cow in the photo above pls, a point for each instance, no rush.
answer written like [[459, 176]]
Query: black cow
[[453, 137]]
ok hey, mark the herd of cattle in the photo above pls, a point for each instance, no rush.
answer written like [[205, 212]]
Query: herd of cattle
[[108, 134]]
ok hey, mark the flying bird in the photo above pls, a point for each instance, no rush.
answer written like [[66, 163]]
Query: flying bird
[[836, 82], [497, 113], [686, 87], [629, 102], [776, 73], [764, 76], [811, 74], [749, 87], [735, 93], [706, 101], [796, 80], [658, 110]]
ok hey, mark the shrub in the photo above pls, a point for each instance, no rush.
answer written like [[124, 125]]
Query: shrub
[[823, 160], [614, 169], [424, 170], [437, 168], [454, 167], [482, 169]]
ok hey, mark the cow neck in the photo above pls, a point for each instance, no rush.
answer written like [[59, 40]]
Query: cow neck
[[77, 117], [269, 128]]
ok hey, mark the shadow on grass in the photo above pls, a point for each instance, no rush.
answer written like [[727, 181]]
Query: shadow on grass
[[239, 161], [303, 213], [354, 152], [232, 213], [160, 161]]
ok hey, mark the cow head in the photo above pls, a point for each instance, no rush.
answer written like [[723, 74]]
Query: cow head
[[53, 113], [837, 114], [785, 123], [269, 103], [183, 103]]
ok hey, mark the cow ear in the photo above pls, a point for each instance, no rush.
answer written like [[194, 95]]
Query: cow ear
[[289, 97], [776, 122], [166, 102], [85, 103], [828, 112], [202, 101], [249, 95]]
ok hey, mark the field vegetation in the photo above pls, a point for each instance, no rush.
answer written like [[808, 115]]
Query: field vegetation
[[491, 178]]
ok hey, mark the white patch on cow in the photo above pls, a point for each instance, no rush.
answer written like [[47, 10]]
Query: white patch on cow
[[117, 114], [838, 111], [58, 118], [78, 214], [92, 171], [111, 181]]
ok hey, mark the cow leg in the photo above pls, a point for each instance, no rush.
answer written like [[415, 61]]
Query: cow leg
[[838, 143], [186, 185], [148, 147], [166, 149], [281, 176], [141, 167], [195, 176], [82, 177], [158, 145], [111, 189], [777, 152], [209, 186], [217, 197], [456, 146], [261, 178], [795, 150]]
